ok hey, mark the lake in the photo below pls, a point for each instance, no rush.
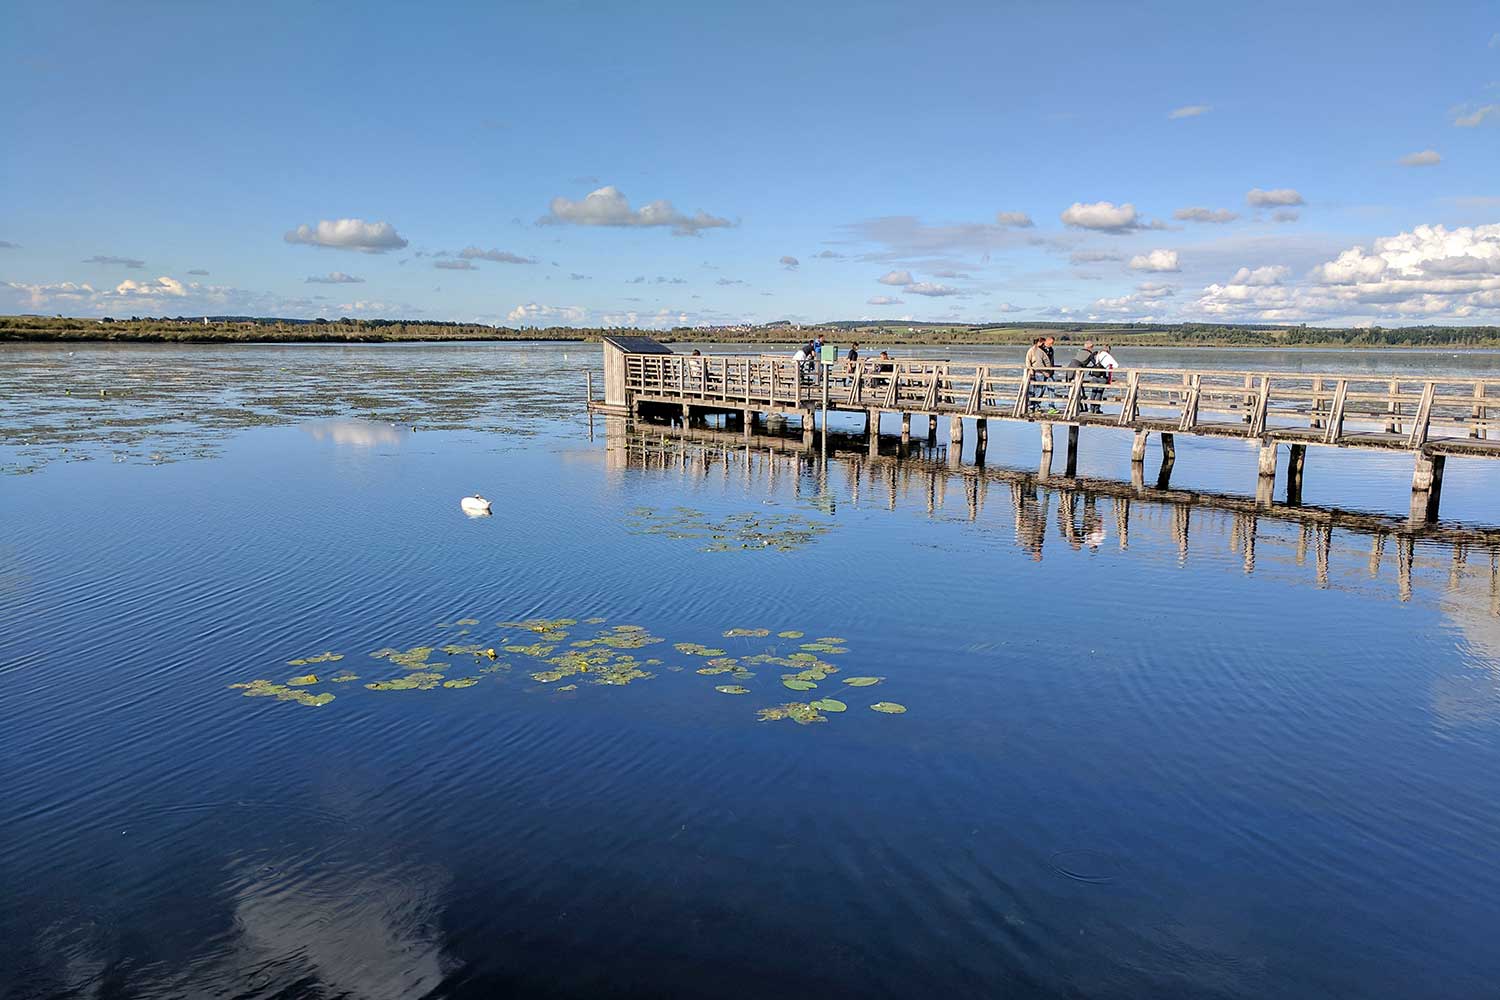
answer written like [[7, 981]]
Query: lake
[[760, 719]]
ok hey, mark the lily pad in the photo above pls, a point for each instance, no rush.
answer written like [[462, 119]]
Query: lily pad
[[461, 682], [751, 633], [732, 689], [790, 634], [304, 681], [419, 681], [888, 707], [797, 684], [801, 713], [862, 682], [830, 705], [467, 621], [320, 658]]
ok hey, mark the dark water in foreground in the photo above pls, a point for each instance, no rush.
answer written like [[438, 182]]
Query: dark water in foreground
[[1154, 744]]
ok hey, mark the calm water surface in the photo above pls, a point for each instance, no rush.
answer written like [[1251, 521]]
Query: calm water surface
[[1155, 744]]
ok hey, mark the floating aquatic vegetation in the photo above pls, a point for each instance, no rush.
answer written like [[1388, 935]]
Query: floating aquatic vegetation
[[602, 655], [268, 689], [467, 621], [412, 659], [549, 628], [735, 532], [539, 650], [420, 681], [320, 658], [801, 713], [697, 649]]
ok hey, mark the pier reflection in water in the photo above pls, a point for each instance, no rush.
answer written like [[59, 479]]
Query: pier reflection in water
[[1374, 554]]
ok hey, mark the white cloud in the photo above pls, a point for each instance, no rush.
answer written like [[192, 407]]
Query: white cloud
[[828, 255], [1426, 158], [8, 245], [532, 314], [1190, 111], [1093, 257], [161, 287], [1154, 290], [332, 278], [1285, 215], [1276, 196], [1464, 117], [895, 278], [127, 261], [1005, 307], [1016, 220], [348, 234], [1261, 276], [199, 271], [1103, 216], [884, 300], [790, 263], [1155, 260], [608, 206], [931, 290], [455, 265], [41, 296], [1215, 215], [498, 256], [1430, 273]]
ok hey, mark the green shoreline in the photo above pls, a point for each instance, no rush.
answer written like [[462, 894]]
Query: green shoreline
[[38, 329]]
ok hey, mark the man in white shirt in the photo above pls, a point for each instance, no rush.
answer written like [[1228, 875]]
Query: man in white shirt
[[1106, 363]]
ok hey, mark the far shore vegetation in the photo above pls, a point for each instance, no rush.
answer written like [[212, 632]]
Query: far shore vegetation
[[252, 330]]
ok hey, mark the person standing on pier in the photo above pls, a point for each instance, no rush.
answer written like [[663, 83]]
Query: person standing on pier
[[1106, 363], [1038, 359]]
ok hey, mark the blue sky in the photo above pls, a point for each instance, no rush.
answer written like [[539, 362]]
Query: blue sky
[[664, 164]]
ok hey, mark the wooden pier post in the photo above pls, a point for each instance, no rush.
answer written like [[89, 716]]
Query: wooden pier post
[[1427, 486], [1296, 458], [955, 431], [1268, 459], [747, 422], [872, 422], [982, 431], [1168, 447], [1265, 491], [932, 428], [1138, 447], [588, 374], [1046, 439], [1392, 420], [906, 426], [1072, 459]]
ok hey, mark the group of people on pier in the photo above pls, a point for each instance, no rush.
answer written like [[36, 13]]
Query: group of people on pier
[[1041, 365]]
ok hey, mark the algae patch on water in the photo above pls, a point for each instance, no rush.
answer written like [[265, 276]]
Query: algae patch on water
[[732, 533], [320, 658], [281, 692], [800, 712]]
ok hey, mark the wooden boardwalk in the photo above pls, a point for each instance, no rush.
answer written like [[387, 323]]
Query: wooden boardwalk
[[1431, 418]]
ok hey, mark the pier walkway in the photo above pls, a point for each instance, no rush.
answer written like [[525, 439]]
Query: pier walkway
[[1431, 418]]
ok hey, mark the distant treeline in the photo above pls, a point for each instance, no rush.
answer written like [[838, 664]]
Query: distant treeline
[[247, 329]]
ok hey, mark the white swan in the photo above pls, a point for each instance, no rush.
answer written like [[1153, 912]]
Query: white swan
[[476, 505]]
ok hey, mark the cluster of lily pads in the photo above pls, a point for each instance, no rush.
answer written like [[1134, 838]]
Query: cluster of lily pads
[[549, 650], [733, 533]]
